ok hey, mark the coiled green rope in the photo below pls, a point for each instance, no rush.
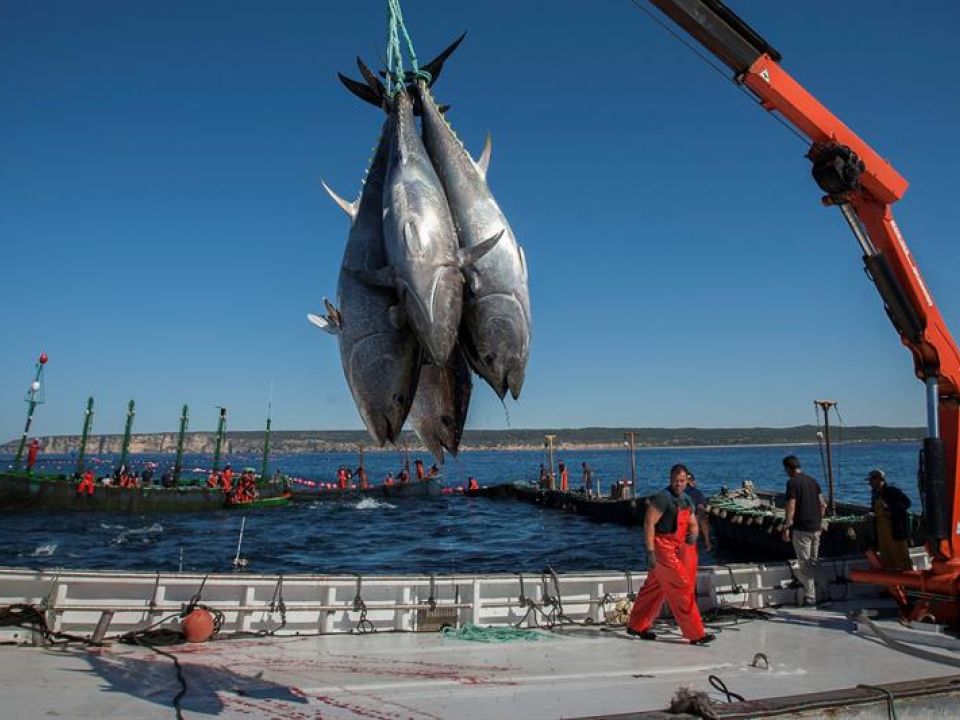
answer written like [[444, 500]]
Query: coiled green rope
[[476, 633]]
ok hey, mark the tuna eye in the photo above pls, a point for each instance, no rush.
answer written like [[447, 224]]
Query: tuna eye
[[489, 358]]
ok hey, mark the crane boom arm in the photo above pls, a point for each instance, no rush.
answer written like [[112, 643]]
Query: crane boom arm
[[864, 186]]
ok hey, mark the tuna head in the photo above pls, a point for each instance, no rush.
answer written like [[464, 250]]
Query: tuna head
[[496, 340], [439, 410], [420, 240], [382, 374]]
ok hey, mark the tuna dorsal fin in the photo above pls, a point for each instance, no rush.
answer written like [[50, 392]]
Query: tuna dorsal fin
[[470, 255], [484, 162], [350, 208]]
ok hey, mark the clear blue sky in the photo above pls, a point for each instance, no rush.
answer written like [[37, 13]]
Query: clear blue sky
[[164, 232]]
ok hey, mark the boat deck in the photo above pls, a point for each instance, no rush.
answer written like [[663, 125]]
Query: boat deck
[[573, 671]]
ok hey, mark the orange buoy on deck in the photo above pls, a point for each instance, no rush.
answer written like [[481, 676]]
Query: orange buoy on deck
[[197, 626]]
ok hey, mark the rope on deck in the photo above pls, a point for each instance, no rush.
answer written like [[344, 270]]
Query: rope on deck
[[476, 633]]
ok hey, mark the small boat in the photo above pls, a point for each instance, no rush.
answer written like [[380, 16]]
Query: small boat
[[602, 509], [308, 490], [748, 523], [31, 491]]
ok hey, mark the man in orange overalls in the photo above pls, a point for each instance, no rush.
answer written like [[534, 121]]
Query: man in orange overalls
[[86, 484], [670, 530], [564, 477]]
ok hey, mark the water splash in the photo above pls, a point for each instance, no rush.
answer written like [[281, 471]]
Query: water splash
[[45, 550], [372, 504]]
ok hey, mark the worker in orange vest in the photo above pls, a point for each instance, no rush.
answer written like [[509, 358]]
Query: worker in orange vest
[[227, 477], [670, 531], [564, 477], [213, 480], [86, 484], [472, 483], [418, 464], [342, 478], [32, 450]]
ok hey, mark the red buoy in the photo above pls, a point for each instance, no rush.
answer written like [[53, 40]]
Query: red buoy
[[197, 626], [43, 358]]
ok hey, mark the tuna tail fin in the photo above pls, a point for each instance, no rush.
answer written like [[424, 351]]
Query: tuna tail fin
[[362, 91], [435, 66], [469, 256], [350, 208], [484, 162]]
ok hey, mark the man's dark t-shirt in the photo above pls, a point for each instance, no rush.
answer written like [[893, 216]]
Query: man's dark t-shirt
[[698, 498], [669, 504], [806, 491]]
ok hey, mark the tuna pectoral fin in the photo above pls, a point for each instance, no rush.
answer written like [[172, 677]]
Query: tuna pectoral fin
[[384, 277], [323, 323], [331, 323], [469, 256], [397, 317], [484, 162], [350, 208]]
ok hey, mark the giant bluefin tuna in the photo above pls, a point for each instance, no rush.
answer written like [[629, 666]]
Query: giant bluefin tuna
[[496, 314], [381, 361], [439, 410], [424, 258]]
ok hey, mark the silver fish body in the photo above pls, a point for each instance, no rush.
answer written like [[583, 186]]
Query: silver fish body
[[439, 411], [381, 362], [419, 239], [497, 323]]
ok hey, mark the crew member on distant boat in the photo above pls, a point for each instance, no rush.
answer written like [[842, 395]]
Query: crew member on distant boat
[[418, 466], [342, 478], [472, 483], [33, 449], [564, 477], [228, 477], [167, 479], [670, 530], [802, 523], [587, 480], [362, 478], [86, 484], [544, 480], [403, 477], [433, 472], [213, 479], [389, 480], [890, 507], [700, 506]]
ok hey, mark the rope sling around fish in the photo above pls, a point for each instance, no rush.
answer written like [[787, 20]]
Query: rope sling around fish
[[395, 75]]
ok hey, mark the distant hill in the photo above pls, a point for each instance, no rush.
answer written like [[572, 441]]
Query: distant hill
[[303, 441]]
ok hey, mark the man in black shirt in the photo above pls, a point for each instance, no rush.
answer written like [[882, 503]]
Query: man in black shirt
[[804, 515]]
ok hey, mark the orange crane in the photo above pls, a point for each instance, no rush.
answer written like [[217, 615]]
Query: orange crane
[[864, 186]]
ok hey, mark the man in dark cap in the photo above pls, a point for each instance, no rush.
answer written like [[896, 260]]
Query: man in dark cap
[[891, 522]]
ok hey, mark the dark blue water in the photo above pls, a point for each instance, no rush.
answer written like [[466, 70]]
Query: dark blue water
[[437, 535]]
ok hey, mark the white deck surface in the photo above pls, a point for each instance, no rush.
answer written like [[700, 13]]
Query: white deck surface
[[573, 673]]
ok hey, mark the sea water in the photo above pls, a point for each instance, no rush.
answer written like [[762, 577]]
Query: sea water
[[446, 534]]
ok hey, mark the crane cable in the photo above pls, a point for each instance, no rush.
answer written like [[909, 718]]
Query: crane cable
[[716, 68]]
